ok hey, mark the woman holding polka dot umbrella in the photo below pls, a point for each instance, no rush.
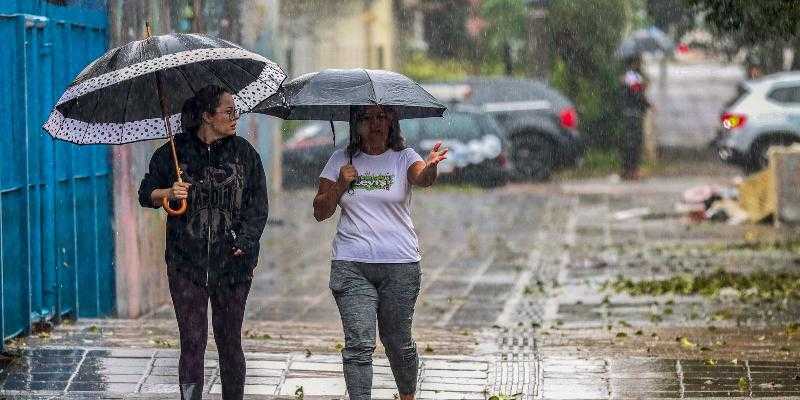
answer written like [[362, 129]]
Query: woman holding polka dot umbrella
[[135, 92]]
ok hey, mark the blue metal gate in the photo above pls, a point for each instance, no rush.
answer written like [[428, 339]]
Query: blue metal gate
[[56, 239]]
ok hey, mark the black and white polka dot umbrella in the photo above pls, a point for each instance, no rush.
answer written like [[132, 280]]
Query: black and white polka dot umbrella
[[117, 98]]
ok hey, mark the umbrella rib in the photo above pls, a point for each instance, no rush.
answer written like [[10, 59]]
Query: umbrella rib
[[97, 103], [213, 72], [218, 76], [125, 111], [188, 82], [255, 77], [372, 86]]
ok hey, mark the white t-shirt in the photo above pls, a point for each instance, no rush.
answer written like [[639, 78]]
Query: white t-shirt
[[375, 224]]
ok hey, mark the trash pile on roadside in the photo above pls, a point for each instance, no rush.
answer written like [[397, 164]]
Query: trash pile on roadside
[[746, 200], [771, 195]]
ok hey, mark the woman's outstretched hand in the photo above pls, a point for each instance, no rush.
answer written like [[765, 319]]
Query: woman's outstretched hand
[[436, 155]]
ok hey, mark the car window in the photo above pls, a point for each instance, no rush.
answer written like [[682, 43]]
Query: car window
[[788, 94], [454, 125]]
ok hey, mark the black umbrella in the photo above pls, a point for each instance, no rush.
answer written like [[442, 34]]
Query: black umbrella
[[329, 94], [135, 92]]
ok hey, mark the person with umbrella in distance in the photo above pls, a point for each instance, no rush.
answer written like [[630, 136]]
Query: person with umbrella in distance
[[375, 267], [633, 86], [225, 187]]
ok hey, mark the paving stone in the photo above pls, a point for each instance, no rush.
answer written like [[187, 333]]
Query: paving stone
[[573, 392], [431, 395], [265, 356], [102, 387], [160, 388], [260, 389], [124, 353], [161, 379], [315, 366], [35, 385], [446, 373], [451, 387], [40, 376], [107, 362], [264, 372], [122, 378], [99, 370], [455, 380], [174, 371], [455, 366], [314, 386], [266, 364]]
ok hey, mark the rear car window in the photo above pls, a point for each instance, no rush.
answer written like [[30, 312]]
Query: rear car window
[[787, 94]]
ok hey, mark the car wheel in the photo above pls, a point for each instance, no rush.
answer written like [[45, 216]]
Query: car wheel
[[533, 157], [759, 159]]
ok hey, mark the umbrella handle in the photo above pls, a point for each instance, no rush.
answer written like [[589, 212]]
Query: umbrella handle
[[173, 213]]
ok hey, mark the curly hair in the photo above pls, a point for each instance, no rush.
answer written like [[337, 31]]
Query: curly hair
[[395, 141]]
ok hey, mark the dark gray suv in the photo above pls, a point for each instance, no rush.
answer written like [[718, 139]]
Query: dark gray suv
[[541, 124]]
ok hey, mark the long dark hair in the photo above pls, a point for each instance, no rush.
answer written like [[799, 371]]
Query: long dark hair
[[395, 141], [205, 100]]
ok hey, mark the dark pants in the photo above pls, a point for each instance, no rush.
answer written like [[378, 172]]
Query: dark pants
[[227, 314], [632, 141], [386, 293]]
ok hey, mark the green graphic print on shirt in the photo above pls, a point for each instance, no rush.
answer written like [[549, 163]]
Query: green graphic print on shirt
[[374, 182]]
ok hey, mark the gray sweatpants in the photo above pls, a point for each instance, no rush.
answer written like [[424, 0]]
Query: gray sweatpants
[[386, 293]]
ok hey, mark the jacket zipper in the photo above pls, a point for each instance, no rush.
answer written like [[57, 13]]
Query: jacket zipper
[[208, 222]]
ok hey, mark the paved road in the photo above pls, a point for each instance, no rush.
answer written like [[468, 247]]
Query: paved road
[[689, 101]]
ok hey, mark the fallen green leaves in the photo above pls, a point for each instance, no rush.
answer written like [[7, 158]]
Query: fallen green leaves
[[759, 285]]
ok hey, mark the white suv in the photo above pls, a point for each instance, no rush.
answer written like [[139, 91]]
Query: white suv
[[765, 112]]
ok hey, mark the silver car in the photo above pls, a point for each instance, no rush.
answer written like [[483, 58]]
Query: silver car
[[765, 112]]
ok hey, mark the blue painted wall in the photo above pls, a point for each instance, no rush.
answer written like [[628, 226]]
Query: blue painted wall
[[56, 236]]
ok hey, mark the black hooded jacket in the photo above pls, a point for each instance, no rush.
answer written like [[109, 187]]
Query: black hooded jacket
[[227, 207]]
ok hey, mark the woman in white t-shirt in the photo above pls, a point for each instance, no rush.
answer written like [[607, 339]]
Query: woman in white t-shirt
[[375, 272]]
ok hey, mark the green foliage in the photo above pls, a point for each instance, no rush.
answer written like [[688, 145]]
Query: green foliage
[[505, 26], [751, 22], [423, 69], [586, 35]]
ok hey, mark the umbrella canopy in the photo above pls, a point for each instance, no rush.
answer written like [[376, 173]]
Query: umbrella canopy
[[649, 40], [125, 95], [329, 94]]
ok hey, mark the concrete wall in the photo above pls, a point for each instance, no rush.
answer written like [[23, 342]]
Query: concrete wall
[[141, 272]]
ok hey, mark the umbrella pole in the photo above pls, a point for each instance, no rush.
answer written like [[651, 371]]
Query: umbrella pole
[[165, 114]]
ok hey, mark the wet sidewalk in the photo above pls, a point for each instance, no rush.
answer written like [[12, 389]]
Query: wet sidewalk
[[152, 373], [94, 373], [516, 299]]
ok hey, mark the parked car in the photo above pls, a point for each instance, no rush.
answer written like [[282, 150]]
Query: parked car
[[764, 112], [478, 147], [541, 124]]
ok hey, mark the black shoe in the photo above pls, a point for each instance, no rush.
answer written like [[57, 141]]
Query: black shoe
[[192, 391]]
